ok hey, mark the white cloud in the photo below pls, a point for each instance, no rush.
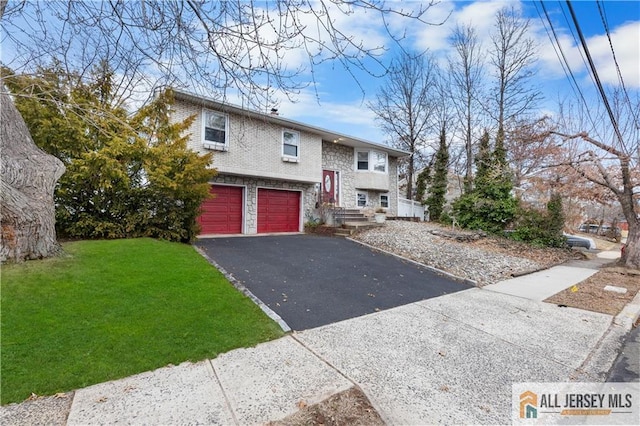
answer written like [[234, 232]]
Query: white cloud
[[480, 15], [626, 44], [352, 118], [320, 26]]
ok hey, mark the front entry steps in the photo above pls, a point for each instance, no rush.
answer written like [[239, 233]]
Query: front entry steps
[[350, 228], [342, 216], [351, 221]]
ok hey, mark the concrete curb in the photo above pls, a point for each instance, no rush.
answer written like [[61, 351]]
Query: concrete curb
[[629, 314], [599, 362], [427, 267], [237, 284]]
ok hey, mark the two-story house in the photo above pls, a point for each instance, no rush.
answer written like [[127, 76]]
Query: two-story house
[[274, 172]]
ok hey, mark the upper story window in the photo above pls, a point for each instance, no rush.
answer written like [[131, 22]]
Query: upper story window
[[373, 161], [215, 129], [290, 144], [363, 160], [379, 161]]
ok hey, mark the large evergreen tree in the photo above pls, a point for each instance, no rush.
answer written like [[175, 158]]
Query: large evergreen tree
[[127, 175], [438, 187], [483, 160], [424, 179]]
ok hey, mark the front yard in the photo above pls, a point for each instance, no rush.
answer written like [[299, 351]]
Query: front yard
[[488, 259], [115, 308], [471, 255]]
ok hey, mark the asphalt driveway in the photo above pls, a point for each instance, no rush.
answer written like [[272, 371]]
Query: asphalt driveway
[[312, 281]]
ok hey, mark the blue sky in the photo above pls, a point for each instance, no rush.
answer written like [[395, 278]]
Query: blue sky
[[338, 102], [342, 104]]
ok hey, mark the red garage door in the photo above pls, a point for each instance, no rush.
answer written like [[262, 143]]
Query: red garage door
[[278, 211], [223, 213]]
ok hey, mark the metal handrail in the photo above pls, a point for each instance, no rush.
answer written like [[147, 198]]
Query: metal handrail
[[338, 215]]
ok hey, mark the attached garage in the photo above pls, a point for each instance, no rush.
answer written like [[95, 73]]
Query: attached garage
[[278, 210], [223, 213]]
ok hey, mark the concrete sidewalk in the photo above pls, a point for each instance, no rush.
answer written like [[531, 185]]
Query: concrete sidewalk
[[450, 359], [544, 284]]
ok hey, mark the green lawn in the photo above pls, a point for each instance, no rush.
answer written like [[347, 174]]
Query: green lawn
[[115, 308]]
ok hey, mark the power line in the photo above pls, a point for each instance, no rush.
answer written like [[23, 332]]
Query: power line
[[563, 59], [595, 74], [615, 60], [577, 42]]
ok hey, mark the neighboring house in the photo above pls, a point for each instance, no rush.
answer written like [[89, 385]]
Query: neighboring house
[[274, 173]]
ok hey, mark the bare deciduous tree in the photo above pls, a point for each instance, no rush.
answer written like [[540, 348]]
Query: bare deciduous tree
[[212, 47], [465, 73], [531, 149], [27, 180], [406, 107], [609, 158], [209, 47], [512, 56]]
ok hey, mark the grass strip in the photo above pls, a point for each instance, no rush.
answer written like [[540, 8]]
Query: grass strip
[[115, 308]]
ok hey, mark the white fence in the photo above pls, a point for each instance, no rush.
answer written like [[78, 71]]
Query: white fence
[[410, 208]]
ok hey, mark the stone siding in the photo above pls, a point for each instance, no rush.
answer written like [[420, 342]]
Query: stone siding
[[342, 159]]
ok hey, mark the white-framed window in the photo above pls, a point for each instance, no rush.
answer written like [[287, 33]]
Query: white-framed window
[[362, 160], [290, 143], [372, 161], [384, 201], [215, 131], [361, 199], [379, 160]]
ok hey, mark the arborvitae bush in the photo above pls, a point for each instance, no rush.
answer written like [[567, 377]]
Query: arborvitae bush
[[541, 228], [490, 206]]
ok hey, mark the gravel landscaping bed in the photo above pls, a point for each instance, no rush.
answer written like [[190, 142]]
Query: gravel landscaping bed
[[482, 259], [51, 410]]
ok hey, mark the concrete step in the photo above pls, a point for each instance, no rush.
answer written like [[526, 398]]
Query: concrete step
[[342, 232], [353, 218], [357, 226], [343, 214], [349, 211]]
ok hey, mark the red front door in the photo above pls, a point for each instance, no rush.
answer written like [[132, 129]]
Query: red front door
[[330, 187]]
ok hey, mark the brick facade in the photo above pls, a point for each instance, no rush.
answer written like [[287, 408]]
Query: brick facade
[[255, 147]]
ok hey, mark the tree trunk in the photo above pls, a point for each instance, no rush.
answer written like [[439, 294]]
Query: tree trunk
[[631, 257], [410, 172], [27, 182]]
